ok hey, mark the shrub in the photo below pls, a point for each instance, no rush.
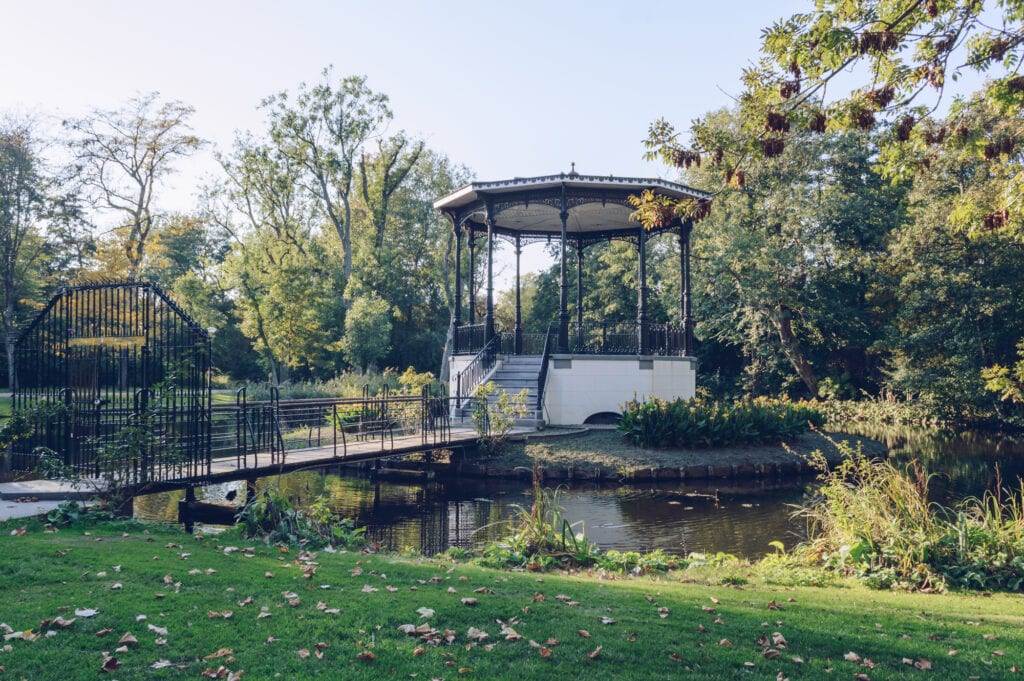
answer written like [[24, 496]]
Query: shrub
[[874, 521], [273, 518], [494, 419], [839, 413], [699, 422], [347, 384]]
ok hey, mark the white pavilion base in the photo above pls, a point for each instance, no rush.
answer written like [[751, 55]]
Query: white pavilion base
[[579, 387]]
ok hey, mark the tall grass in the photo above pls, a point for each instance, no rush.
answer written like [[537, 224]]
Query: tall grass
[[347, 384], [874, 520]]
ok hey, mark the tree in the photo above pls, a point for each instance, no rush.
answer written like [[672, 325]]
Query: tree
[[123, 156], [325, 129], [287, 287], [29, 197], [367, 331]]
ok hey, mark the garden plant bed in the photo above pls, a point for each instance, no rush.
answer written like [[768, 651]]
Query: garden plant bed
[[182, 599]]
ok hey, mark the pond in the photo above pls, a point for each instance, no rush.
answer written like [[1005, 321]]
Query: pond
[[739, 517]]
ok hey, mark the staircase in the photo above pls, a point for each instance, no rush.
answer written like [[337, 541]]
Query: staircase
[[515, 373], [521, 372]]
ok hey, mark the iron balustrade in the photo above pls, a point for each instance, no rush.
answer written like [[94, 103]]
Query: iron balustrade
[[603, 338], [467, 380], [470, 338]]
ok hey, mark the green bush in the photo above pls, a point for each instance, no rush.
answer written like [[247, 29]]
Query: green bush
[[348, 384], [273, 518], [704, 423], [874, 521]]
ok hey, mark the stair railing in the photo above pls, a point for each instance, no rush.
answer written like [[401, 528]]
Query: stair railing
[[542, 377], [476, 371]]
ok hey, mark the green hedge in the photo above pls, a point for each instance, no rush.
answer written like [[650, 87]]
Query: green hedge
[[703, 423]]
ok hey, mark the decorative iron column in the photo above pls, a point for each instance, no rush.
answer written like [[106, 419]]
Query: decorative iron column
[[519, 302], [489, 315], [641, 307], [472, 277], [457, 315], [685, 311], [563, 292], [579, 285]]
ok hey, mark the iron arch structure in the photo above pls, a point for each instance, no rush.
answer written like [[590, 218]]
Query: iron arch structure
[[115, 375]]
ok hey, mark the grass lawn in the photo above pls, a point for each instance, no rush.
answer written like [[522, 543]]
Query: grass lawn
[[186, 585]]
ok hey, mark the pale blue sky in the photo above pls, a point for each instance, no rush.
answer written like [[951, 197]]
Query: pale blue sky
[[507, 88]]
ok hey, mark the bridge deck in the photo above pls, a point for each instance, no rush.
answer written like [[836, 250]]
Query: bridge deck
[[236, 468]]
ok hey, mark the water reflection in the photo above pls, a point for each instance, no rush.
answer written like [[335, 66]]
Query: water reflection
[[737, 517]]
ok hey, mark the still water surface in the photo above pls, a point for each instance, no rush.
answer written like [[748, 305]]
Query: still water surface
[[739, 517]]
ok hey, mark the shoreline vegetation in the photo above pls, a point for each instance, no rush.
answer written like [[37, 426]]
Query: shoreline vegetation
[[603, 455]]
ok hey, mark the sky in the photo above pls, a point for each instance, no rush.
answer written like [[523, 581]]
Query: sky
[[508, 89]]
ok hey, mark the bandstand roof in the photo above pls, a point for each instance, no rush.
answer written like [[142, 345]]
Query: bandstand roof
[[597, 205]]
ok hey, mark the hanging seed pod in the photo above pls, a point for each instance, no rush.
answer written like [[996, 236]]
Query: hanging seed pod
[[935, 135], [698, 210], [997, 50], [684, 158], [904, 127], [794, 68], [818, 122], [997, 219], [735, 177], [932, 7], [878, 41], [772, 146], [788, 88], [1015, 84], [991, 151], [864, 119], [776, 122], [718, 155], [881, 97], [936, 76]]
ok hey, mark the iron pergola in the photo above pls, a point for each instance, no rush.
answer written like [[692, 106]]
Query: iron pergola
[[580, 210]]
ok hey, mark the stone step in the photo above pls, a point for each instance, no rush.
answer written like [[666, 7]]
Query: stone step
[[514, 374], [516, 386]]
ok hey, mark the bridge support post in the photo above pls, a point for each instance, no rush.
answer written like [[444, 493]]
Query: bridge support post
[[185, 506], [250, 490]]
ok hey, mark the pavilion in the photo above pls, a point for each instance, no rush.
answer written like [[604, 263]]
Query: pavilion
[[577, 370]]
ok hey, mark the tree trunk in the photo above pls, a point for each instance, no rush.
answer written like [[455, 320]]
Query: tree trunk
[[783, 319]]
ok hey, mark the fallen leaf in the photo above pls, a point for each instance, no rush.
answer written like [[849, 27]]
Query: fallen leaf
[[160, 664], [583, 633], [469, 601], [607, 620], [474, 634], [159, 631], [128, 640], [86, 612], [220, 653], [593, 654], [425, 613], [366, 656], [109, 663]]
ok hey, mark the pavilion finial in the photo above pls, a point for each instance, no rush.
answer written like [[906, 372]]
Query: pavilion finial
[[572, 171]]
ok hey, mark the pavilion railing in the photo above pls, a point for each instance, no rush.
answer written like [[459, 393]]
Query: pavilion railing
[[604, 338], [592, 337], [470, 338]]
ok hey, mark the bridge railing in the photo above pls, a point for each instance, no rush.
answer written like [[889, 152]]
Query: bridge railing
[[264, 433]]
